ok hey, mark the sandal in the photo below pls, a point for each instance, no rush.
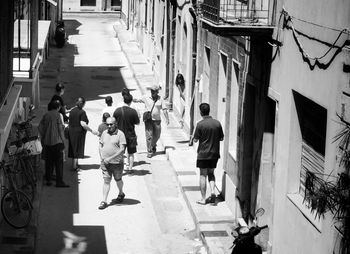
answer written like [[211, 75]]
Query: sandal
[[103, 205], [119, 199]]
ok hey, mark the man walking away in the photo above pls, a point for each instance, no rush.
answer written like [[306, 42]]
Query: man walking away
[[112, 147], [126, 118], [52, 136], [209, 134]]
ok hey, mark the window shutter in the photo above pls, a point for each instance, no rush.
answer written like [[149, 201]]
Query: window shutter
[[310, 161]]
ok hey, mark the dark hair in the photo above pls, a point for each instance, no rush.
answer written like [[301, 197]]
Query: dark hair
[[105, 116], [125, 91], [55, 104], [59, 87], [108, 100], [127, 98], [204, 109], [80, 102]]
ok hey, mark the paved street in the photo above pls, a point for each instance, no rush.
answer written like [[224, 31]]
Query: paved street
[[153, 217]]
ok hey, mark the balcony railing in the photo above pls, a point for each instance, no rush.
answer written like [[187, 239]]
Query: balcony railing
[[240, 12]]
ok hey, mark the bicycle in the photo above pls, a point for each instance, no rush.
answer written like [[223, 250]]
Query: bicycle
[[23, 172], [16, 207]]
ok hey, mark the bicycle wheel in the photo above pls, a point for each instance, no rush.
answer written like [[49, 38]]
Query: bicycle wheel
[[16, 209], [25, 184]]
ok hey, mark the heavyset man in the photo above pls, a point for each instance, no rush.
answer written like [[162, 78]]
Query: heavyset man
[[112, 148]]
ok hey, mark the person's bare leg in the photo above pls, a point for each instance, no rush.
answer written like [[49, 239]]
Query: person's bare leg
[[105, 189], [203, 185], [211, 178], [131, 161], [120, 185]]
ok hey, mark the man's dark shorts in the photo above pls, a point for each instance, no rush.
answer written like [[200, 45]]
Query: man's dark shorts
[[131, 144], [207, 163]]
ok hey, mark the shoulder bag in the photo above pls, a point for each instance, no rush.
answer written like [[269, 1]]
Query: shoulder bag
[[147, 115]]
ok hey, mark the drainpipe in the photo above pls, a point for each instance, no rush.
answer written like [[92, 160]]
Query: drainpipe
[[172, 29], [194, 59], [168, 39], [128, 17]]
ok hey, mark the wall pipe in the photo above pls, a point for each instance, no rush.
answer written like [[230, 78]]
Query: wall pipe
[[194, 60]]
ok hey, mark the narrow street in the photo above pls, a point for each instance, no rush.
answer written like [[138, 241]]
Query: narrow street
[[153, 217]]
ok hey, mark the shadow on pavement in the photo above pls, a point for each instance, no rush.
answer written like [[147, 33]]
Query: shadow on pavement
[[90, 167], [126, 201], [135, 172], [138, 163]]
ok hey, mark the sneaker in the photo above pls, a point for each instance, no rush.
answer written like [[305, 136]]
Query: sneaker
[[149, 155], [154, 149]]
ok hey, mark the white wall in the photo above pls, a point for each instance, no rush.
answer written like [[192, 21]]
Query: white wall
[[291, 231]]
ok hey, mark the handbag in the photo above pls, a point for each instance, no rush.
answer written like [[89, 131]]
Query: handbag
[[147, 115]]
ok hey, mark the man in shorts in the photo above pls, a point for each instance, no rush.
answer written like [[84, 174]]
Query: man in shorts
[[209, 134], [126, 118], [112, 148]]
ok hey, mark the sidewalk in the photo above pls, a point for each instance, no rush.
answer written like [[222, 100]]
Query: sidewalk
[[213, 222]]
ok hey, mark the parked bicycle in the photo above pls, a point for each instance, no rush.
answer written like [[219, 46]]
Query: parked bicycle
[[24, 173], [16, 207], [21, 157]]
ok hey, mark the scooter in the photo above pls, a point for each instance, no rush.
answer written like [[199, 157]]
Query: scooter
[[244, 237], [60, 34]]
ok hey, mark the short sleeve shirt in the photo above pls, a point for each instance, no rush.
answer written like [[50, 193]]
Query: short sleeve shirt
[[109, 110], [126, 118], [111, 144], [50, 127], [159, 105], [209, 134]]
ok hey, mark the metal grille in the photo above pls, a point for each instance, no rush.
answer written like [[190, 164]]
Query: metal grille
[[251, 12]]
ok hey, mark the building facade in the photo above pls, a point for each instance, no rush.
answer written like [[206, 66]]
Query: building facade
[[91, 5], [309, 84], [276, 74]]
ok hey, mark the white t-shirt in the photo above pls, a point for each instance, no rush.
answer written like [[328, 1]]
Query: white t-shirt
[[159, 105], [109, 109]]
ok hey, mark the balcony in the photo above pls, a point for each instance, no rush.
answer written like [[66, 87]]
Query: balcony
[[238, 12]]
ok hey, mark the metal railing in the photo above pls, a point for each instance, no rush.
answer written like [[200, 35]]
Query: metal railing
[[242, 12]]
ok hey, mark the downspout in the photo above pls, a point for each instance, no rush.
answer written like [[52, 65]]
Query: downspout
[[172, 30], [194, 59], [128, 17], [168, 39]]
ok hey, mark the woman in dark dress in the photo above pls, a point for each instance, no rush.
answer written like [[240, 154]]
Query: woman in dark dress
[[78, 126]]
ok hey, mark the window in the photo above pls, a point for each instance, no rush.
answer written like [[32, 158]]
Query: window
[[87, 2], [312, 122]]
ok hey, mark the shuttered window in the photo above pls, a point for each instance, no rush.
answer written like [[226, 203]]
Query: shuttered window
[[313, 126], [311, 161]]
